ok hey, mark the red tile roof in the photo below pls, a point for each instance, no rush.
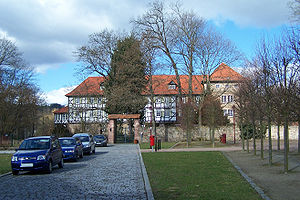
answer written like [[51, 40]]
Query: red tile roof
[[225, 73], [62, 110], [161, 84], [91, 86]]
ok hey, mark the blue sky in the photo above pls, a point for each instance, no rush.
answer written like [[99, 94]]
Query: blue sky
[[49, 31]]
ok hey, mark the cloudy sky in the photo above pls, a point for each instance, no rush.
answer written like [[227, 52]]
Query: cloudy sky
[[49, 31]]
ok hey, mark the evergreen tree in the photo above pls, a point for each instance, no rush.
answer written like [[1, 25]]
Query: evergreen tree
[[123, 89]]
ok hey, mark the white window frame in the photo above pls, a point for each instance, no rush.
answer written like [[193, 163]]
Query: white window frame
[[172, 87], [223, 98], [230, 112], [230, 98]]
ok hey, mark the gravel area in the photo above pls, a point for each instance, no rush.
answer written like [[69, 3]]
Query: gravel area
[[271, 179], [114, 172]]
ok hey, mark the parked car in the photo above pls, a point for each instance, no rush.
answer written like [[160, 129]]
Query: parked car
[[100, 140], [37, 153], [72, 148], [87, 141]]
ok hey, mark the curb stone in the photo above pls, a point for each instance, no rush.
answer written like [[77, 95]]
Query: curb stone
[[145, 176], [6, 174], [248, 179]]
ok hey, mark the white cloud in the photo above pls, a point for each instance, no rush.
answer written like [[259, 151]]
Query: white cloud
[[58, 96], [48, 32]]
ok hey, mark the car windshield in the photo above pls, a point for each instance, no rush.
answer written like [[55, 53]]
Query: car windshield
[[67, 142], [84, 138], [99, 138], [31, 144]]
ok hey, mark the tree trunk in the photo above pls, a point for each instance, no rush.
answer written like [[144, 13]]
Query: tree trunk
[[298, 135], [254, 140], [242, 136], [261, 140], [247, 133], [200, 118], [278, 136], [286, 145], [213, 137], [270, 140]]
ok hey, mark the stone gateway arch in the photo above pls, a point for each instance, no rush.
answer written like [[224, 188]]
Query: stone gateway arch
[[112, 126]]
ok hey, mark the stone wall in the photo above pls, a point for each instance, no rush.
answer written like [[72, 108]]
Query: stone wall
[[174, 133], [95, 129], [293, 132]]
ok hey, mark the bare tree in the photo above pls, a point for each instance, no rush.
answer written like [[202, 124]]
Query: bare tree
[[188, 31], [96, 55], [212, 115], [265, 76], [18, 95], [156, 24], [212, 50], [286, 78]]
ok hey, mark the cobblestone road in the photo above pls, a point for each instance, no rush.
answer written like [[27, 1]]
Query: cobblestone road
[[114, 172]]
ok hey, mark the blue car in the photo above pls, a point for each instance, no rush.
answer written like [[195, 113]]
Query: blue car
[[37, 154], [87, 142], [71, 147]]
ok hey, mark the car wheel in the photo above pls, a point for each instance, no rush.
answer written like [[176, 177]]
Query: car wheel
[[81, 155], [61, 163], [49, 168], [15, 172]]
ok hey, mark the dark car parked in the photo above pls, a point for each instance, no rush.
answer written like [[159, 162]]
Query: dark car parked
[[87, 141], [100, 140], [72, 148], [37, 153]]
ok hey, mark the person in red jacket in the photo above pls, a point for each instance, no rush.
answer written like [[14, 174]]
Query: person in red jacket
[[152, 143]]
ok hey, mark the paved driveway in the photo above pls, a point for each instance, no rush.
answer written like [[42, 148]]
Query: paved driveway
[[114, 172]]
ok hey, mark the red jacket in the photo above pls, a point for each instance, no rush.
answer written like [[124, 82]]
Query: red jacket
[[152, 140]]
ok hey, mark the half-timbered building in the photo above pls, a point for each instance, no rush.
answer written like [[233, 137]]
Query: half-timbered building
[[86, 101]]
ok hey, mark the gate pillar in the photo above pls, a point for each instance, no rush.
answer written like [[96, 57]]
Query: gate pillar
[[137, 126], [111, 131]]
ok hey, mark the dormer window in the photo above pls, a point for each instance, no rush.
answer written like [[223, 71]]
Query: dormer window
[[172, 85], [102, 86]]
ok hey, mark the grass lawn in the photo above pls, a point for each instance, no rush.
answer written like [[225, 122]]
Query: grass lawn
[[195, 175], [5, 163]]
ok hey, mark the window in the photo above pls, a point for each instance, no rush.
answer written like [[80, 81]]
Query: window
[[167, 113], [102, 86], [158, 114], [223, 99], [230, 98], [217, 86], [230, 112], [172, 85], [225, 112]]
